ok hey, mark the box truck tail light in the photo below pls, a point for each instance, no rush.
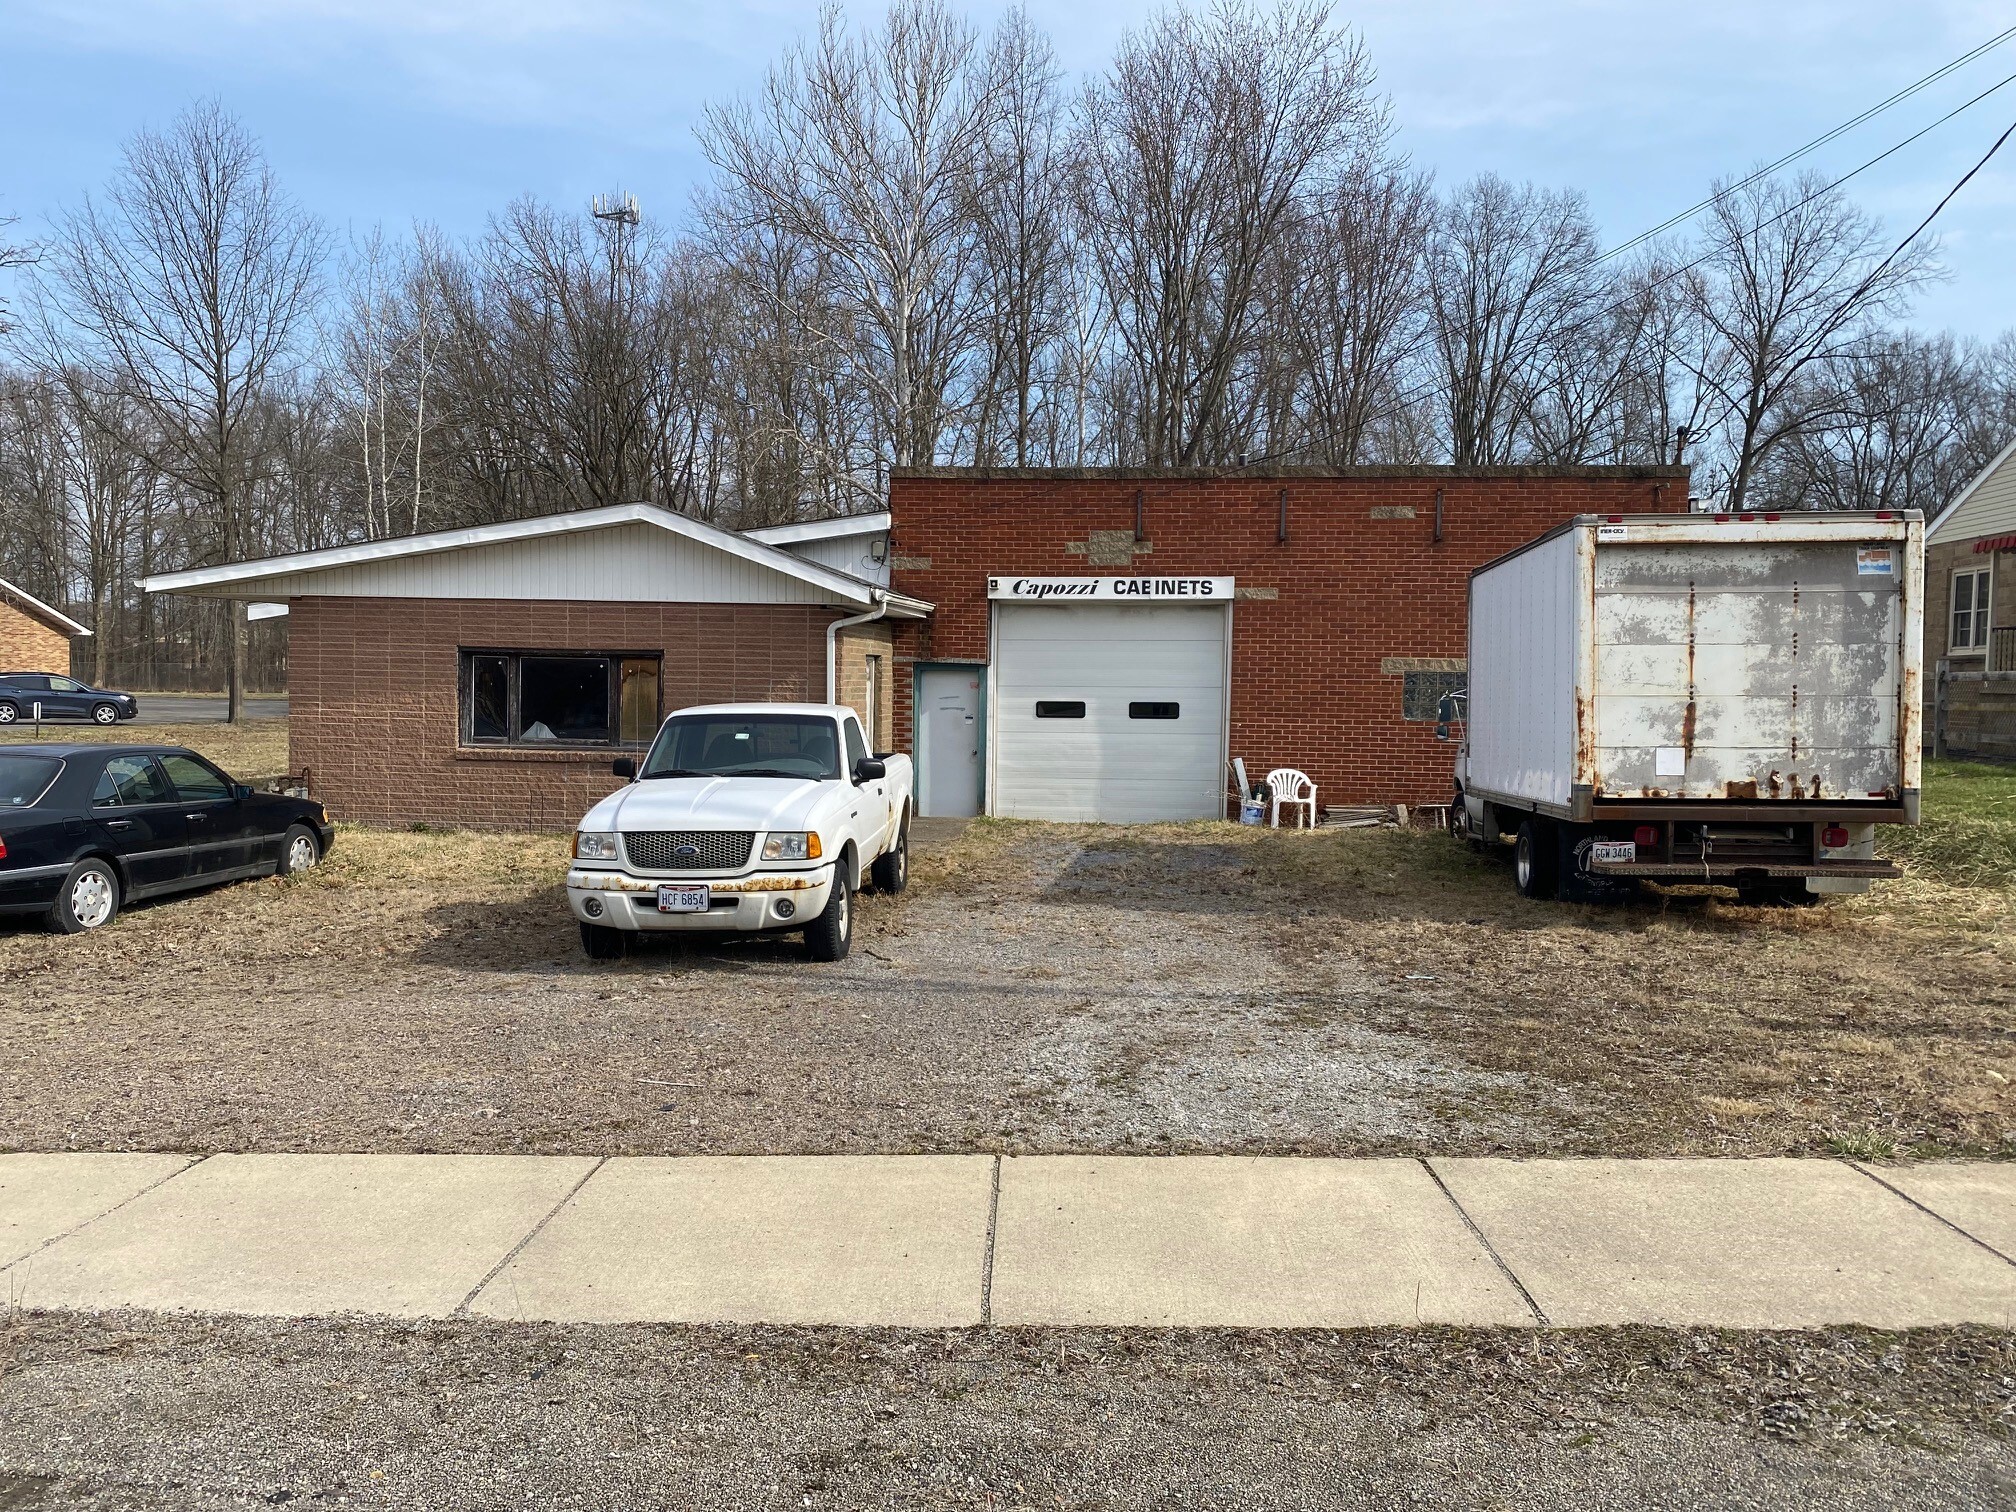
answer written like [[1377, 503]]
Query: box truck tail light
[[1721, 519], [1773, 519], [1647, 835], [1746, 517], [1615, 519], [1884, 514], [1833, 837]]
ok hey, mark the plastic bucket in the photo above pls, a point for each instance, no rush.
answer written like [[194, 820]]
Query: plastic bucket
[[1252, 811]]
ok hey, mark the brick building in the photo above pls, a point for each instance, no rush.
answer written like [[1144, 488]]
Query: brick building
[[1067, 644], [34, 637], [489, 676], [1324, 619]]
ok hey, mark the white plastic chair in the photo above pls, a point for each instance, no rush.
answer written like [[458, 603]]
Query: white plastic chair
[[1292, 789]]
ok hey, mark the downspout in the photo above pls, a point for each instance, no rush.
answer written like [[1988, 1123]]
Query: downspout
[[833, 642]]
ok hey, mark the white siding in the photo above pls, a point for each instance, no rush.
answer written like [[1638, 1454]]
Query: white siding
[[632, 563], [848, 554], [1525, 623], [1988, 508]]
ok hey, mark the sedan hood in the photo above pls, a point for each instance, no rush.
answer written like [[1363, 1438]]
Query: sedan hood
[[709, 803]]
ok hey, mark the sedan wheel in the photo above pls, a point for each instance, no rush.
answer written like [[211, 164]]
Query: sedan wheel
[[89, 899], [105, 714], [298, 851]]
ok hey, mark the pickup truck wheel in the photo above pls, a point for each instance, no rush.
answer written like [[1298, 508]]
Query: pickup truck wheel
[[601, 943], [892, 868], [1533, 859], [828, 936]]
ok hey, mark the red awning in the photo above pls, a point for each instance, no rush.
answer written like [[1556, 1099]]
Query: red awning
[[1996, 543]]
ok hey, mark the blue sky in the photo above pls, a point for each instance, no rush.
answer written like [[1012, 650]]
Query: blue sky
[[387, 111]]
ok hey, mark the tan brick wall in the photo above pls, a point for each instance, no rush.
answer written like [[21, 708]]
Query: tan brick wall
[[28, 645], [878, 639], [376, 713]]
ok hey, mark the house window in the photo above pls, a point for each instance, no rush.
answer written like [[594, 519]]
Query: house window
[[545, 698], [1970, 610]]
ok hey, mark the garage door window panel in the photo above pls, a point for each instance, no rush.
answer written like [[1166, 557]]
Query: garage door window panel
[[547, 699]]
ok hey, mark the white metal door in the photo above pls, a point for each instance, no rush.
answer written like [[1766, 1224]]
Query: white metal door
[[1109, 712], [948, 742]]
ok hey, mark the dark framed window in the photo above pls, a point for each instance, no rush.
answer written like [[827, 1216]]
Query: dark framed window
[[1154, 711], [1421, 693], [543, 699], [1059, 708]]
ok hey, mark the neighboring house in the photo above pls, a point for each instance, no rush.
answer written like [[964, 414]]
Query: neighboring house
[[488, 675], [34, 637], [1072, 644], [1970, 575]]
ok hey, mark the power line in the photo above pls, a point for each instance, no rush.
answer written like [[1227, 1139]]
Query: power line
[[1435, 385], [1818, 142]]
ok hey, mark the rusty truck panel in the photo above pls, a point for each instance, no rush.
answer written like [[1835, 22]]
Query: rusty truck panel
[[1760, 661]]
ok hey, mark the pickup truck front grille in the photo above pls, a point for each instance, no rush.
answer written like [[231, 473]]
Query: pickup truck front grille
[[689, 850]]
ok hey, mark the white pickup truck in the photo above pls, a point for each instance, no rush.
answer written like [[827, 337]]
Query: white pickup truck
[[744, 817]]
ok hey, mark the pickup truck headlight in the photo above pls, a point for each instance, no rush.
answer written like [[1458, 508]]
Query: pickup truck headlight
[[595, 845], [791, 845]]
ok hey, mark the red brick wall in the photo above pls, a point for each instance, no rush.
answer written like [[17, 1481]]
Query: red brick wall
[[1350, 589], [375, 718]]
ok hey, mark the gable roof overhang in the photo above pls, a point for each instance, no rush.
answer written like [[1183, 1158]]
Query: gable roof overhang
[[821, 530], [255, 579], [34, 608], [1938, 521]]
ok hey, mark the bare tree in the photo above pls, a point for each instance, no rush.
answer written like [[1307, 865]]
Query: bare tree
[[1793, 275], [867, 150], [1508, 271], [182, 298], [1353, 303], [1208, 137]]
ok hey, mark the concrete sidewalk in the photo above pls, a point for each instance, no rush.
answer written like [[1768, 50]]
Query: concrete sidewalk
[[951, 1240]]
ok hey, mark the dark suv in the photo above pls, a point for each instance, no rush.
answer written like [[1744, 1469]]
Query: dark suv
[[61, 698]]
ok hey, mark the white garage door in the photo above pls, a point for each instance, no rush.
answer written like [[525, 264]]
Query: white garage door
[[1109, 712]]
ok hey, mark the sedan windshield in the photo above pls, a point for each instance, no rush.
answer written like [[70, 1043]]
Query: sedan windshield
[[23, 779], [746, 745]]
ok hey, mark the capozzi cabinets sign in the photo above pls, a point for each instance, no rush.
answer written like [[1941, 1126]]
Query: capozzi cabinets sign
[[1122, 590]]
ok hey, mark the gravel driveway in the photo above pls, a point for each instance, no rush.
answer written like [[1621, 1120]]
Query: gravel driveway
[[1197, 988]]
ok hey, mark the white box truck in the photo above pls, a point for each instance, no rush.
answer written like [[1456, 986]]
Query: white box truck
[[1727, 698]]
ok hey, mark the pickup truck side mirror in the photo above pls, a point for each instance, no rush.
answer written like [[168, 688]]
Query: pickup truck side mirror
[[625, 768], [868, 768]]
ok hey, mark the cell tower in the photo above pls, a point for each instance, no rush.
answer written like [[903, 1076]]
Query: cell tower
[[618, 208]]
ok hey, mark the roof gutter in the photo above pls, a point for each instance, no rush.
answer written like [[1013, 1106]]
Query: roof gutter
[[833, 641]]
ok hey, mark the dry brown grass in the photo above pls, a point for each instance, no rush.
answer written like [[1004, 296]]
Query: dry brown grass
[[1697, 1023], [251, 752]]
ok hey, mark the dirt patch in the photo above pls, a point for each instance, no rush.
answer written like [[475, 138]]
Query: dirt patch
[[138, 1410], [1039, 988]]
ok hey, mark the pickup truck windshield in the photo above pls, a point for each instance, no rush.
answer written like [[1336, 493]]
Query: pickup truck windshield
[[746, 745]]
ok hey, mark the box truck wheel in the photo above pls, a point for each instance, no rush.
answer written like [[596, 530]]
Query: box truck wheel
[[1534, 857], [1461, 825]]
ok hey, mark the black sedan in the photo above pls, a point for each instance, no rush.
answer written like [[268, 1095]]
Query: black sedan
[[87, 828], [22, 693]]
